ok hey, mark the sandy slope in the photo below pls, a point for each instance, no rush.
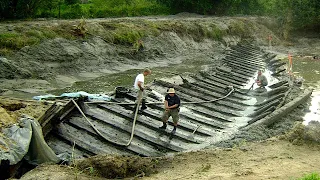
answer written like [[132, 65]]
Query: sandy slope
[[270, 159]]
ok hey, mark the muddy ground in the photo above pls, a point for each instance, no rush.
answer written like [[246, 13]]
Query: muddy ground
[[11, 110], [275, 158], [291, 152]]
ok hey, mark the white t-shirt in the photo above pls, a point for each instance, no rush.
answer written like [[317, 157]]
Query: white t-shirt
[[140, 78]]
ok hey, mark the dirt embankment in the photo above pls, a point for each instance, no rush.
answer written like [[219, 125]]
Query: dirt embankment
[[108, 46], [277, 158], [12, 109], [289, 156]]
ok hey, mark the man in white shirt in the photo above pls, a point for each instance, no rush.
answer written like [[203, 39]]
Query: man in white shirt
[[140, 88]]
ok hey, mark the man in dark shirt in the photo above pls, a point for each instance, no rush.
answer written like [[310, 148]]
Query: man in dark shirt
[[172, 108]]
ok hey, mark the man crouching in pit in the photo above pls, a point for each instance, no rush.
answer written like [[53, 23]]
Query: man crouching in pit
[[172, 108]]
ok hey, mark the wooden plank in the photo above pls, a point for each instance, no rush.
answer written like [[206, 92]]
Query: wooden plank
[[46, 114], [116, 137], [59, 147], [211, 88], [193, 117], [150, 123], [86, 140], [225, 81], [228, 102], [144, 134], [191, 96]]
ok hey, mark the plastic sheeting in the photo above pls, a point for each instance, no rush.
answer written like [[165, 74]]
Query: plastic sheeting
[[48, 96], [91, 97], [39, 151], [25, 140], [14, 143]]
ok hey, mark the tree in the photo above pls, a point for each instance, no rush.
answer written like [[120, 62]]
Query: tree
[[20, 8], [71, 2]]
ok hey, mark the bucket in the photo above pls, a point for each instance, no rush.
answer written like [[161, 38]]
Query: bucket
[[121, 92]]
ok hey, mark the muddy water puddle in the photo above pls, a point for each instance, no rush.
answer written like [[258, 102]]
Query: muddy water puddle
[[108, 82], [309, 70]]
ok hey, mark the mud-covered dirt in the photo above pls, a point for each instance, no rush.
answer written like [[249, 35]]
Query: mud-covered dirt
[[11, 110], [276, 158], [94, 65]]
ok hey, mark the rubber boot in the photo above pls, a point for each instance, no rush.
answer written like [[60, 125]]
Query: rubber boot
[[173, 130], [164, 126], [143, 107]]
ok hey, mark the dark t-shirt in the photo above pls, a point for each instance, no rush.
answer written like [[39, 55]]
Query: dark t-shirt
[[172, 100]]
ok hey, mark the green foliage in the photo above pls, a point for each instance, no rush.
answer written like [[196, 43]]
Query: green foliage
[[135, 8], [238, 28], [127, 33], [294, 13], [15, 41], [71, 2], [127, 36], [199, 6], [298, 14], [215, 33], [112, 8], [20, 8], [25, 36], [312, 176], [73, 11], [5, 52]]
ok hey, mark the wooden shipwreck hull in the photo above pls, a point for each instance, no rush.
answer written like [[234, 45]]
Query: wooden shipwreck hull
[[200, 125]]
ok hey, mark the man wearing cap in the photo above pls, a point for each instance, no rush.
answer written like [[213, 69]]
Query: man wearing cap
[[261, 80], [140, 88], [172, 107]]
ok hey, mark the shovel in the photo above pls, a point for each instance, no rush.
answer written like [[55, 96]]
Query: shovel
[[245, 91], [250, 88], [192, 134]]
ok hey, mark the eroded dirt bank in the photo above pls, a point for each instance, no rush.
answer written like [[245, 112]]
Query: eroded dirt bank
[[107, 46]]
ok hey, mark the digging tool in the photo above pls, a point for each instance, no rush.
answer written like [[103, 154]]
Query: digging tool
[[244, 91], [250, 88], [192, 134], [185, 81]]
